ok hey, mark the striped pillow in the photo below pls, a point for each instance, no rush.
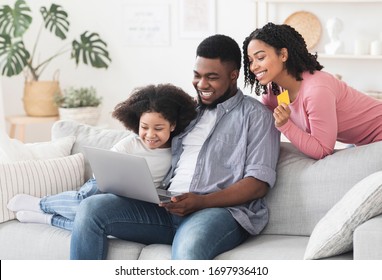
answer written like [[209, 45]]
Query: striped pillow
[[39, 178]]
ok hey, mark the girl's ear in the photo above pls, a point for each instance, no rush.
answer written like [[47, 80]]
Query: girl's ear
[[172, 127]]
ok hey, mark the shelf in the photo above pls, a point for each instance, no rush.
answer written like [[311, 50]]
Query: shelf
[[263, 17], [263, 6], [348, 56], [320, 1]]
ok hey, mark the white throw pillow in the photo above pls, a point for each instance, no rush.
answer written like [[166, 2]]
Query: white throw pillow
[[12, 150], [39, 178], [333, 234]]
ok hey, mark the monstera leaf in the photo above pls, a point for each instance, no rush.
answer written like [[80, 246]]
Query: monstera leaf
[[56, 20], [92, 50], [15, 21], [15, 56]]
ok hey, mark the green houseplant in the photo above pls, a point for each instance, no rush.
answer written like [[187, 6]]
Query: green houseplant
[[78, 97], [79, 104], [15, 57]]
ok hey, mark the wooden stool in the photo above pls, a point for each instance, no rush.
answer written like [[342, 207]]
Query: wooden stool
[[21, 121]]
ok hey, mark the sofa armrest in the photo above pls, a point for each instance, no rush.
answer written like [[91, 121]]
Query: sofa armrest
[[368, 240]]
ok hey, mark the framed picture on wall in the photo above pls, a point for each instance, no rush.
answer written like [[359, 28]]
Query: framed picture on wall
[[197, 18], [146, 25]]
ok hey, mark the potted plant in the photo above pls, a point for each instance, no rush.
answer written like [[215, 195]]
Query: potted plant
[[16, 57], [79, 104]]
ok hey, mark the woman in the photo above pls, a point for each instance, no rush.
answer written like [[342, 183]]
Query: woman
[[322, 108]]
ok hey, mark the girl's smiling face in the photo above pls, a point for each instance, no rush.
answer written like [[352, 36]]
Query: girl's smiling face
[[155, 130]]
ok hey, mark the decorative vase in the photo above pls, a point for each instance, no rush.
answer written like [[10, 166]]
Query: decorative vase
[[39, 98], [86, 115]]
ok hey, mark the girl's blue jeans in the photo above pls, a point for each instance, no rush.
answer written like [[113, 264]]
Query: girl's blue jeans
[[64, 205]]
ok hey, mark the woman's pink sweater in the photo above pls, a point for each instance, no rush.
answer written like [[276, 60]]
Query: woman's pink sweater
[[326, 110]]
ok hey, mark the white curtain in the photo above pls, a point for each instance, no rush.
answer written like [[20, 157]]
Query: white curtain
[[2, 116]]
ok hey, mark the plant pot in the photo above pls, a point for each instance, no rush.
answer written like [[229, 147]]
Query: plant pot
[[39, 98], [86, 115]]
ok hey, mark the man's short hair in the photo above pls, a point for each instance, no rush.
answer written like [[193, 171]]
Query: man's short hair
[[220, 46]]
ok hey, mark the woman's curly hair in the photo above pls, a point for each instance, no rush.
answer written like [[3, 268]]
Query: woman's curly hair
[[171, 102], [278, 37]]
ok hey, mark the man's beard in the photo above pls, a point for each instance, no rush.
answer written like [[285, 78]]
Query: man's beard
[[227, 95]]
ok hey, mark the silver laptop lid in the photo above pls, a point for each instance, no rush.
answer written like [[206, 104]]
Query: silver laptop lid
[[122, 174]]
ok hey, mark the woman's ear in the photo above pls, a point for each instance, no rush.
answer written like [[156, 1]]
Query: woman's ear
[[284, 54]]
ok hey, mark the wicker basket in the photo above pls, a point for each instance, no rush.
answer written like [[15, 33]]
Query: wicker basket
[[39, 98], [86, 115], [308, 25]]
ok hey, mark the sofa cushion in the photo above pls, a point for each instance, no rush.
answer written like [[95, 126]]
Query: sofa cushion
[[306, 189], [87, 135], [14, 150], [263, 247], [367, 240], [333, 234], [39, 178], [156, 252], [27, 241]]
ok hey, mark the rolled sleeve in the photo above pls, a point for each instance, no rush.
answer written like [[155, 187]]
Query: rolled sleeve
[[262, 173]]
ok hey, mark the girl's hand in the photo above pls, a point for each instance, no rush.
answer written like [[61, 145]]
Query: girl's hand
[[184, 204], [281, 114]]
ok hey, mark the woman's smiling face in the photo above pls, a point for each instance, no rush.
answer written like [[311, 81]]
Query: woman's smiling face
[[264, 62]]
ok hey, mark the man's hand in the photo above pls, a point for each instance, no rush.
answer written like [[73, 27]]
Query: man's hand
[[184, 204], [243, 191]]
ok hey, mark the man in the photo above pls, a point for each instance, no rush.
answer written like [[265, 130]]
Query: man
[[224, 163]]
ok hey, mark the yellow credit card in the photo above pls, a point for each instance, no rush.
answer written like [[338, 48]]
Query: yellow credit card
[[283, 97]]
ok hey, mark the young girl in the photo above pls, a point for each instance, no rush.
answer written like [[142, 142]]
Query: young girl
[[155, 114], [322, 108]]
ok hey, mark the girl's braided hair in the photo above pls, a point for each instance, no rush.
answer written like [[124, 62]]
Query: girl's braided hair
[[278, 37]]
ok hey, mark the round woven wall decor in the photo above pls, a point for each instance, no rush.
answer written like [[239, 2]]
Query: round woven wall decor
[[308, 25]]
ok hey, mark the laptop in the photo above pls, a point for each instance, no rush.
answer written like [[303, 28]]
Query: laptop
[[125, 175]]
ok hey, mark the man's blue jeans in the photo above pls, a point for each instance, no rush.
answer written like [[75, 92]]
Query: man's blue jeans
[[201, 235]]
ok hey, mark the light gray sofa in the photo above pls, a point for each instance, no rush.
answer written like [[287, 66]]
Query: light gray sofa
[[304, 192]]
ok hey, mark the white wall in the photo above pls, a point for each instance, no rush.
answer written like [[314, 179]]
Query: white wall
[[131, 66], [137, 66], [2, 115]]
